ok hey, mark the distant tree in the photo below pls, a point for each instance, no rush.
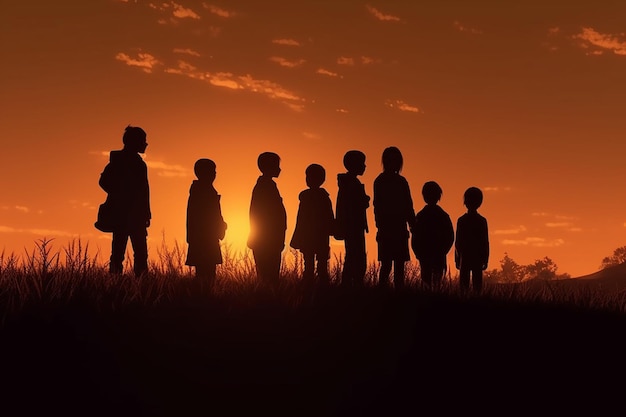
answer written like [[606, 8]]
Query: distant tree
[[511, 270], [618, 257], [544, 269]]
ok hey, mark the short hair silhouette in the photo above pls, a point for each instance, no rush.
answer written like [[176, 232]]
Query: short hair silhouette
[[268, 161], [133, 136], [392, 159], [353, 159], [473, 198], [204, 167], [315, 175], [431, 191]]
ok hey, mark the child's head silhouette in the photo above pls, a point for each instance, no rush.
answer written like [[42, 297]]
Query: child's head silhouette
[[315, 175], [473, 198], [269, 164], [134, 139], [392, 160], [354, 161], [204, 169], [431, 191]]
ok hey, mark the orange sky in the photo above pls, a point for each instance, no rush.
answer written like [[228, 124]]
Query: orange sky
[[525, 102]]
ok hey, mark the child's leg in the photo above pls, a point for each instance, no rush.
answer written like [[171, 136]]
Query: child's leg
[[309, 266], [464, 278], [398, 274], [477, 279], [322, 266], [426, 272], [267, 265], [360, 261], [383, 275]]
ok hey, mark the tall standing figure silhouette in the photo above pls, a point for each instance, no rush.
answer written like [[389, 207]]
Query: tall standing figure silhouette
[[433, 236], [472, 242], [125, 179], [394, 215], [268, 220], [205, 224], [351, 222], [314, 224]]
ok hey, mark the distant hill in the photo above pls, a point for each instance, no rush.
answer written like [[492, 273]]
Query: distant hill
[[613, 277]]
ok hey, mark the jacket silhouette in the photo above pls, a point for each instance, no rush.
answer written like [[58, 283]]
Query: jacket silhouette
[[314, 222], [125, 180], [352, 203], [205, 225]]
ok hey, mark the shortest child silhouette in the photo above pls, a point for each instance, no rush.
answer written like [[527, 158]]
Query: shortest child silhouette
[[314, 225], [205, 225], [472, 242], [433, 236]]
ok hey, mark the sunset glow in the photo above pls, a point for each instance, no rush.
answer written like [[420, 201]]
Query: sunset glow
[[525, 102]]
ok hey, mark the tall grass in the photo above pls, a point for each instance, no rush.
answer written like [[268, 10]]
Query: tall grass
[[47, 276]]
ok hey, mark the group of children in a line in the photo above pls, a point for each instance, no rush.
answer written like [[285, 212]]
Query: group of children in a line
[[430, 231]]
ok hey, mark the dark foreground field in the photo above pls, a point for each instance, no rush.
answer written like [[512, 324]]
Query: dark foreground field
[[343, 353]]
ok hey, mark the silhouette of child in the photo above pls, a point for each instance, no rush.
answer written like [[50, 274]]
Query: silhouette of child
[[472, 242], [433, 236], [125, 179], [393, 211], [314, 225], [351, 222], [268, 220], [205, 225]]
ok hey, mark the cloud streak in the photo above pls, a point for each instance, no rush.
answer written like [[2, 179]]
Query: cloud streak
[[144, 61], [284, 62], [380, 15], [246, 82], [538, 242], [286, 42], [38, 231], [402, 106], [513, 231], [218, 11], [597, 43]]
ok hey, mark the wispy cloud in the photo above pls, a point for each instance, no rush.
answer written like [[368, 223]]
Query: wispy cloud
[[323, 71], [539, 242], [401, 105], [143, 60], [241, 82], [597, 43], [23, 209], [558, 224], [38, 231], [218, 11], [168, 170], [512, 231], [186, 51], [75, 204], [380, 15], [344, 60], [286, 42], [310, 135], [495, 189], [176, 10], [367, 60], [462, 28], [284, 62], [346, 111], [567, 226]]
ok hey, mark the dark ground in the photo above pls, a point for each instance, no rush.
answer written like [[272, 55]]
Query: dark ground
[[345, 354]]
